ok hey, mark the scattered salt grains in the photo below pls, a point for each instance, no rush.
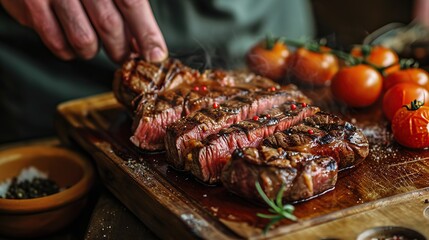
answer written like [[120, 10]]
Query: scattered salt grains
[[30, 173], [4, 187], [214, 209]]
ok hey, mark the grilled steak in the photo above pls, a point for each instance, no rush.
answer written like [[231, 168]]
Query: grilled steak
[[324, 134], [303, 175], [159, 94], [137, 77], [154, 113], [209, 156], [182, 134]]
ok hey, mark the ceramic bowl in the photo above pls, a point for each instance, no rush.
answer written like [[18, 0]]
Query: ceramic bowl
[[42, 216]]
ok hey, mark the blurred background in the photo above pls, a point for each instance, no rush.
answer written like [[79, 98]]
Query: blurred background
[[349, 22]]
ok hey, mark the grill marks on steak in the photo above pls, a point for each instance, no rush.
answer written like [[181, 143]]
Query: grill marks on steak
[[330, 136], [186, 132], [305, 162], [209, 156], [304, 175], [155, 113], [159, 94], [138, 77]]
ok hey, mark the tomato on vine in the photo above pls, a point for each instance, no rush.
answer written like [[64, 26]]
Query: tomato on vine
[[401, 94], [314, 66], [268, 58], [378, 56], [357, 86], [410, 125], [409, 72]]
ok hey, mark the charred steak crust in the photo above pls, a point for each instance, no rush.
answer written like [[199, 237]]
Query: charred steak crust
[[154, 114], [209, 156], [185, 132], [159, 94], [137, 77], [324, 134], [304, 175]]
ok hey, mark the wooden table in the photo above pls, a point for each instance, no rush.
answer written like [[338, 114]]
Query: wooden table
[[389, 189], [105, 217]]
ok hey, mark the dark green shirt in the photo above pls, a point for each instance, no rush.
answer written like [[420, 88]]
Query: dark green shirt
[[210, 33]]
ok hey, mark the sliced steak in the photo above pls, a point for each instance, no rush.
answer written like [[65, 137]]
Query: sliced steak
[[154, 113], [159, 94], [303, 175], [137, 77], [324, 134], [209, 156], [182, 134]]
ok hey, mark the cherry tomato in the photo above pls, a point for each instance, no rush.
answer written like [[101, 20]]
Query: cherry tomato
[[357, 86], [313, 68], [411, 75], [410, 126], [401, 94], [378, 55], [268, 61], [391, 69]]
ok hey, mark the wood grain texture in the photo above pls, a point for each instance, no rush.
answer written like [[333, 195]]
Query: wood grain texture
[[163, 198], [112, 220]]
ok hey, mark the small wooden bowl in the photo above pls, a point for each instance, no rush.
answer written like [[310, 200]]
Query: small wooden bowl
[[42, 216]]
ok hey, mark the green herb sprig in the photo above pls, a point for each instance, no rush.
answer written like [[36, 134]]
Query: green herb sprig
[[280, 211]]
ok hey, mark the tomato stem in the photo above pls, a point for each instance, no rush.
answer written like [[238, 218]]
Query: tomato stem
[[348, 58], [415, 105], [406, 63], [270, 41], [291, 42], [366, 51]]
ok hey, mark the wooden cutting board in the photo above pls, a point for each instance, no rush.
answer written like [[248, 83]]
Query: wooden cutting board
[[176, 206]]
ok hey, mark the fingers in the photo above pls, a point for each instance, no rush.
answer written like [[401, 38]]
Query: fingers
[[143, 27], [68, 31], [15, 9], [110, 27], [77, 27], [41, 18]]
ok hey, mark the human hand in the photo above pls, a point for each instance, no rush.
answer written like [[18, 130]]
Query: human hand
[[73, 28]]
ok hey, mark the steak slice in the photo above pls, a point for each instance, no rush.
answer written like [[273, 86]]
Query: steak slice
[[303, 175], [182, 134], [154, 113], [210, 155], [324, 134], [159, 94], [137, 77]]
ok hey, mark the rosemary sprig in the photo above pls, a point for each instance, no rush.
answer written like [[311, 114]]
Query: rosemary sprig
[[276, 206]]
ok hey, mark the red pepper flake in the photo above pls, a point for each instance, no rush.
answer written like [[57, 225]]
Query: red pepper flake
[[256, 118], [310, 131], [215, 105], [204, 88], [304, 104], [268, 116], [292, 106], [272, 89], [196, 88]]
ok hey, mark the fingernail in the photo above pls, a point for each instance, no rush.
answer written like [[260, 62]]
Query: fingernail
[[156, 55]]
